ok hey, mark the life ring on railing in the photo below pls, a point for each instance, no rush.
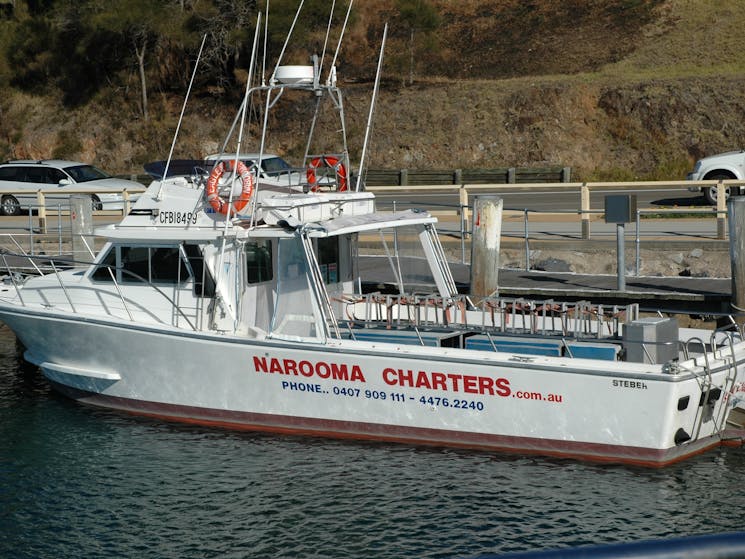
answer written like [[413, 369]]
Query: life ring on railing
[[329, 161], [219, 204]]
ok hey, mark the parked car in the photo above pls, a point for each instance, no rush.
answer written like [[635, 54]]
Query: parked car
[[274, 169], [20, 180], [729, 165]]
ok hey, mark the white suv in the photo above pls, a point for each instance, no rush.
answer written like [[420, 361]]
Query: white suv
[[19, 181], [730, 165]]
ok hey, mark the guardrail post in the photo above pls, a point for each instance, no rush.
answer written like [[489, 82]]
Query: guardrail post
[[511, 173], [41, 212], [721, 211], [403, 177], [566, 174], [527, 240], [463, 195], [584, 204], [458, 176]]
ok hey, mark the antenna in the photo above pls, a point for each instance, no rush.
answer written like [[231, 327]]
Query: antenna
[[341, 36], [180, 118], [287, 40], [372, 109], [326, 40]]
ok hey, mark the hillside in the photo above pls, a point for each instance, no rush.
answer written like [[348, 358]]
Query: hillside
[[614, 89]]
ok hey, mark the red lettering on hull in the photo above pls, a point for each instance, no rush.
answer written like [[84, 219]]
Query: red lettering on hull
[[450, 382], [334, 371]]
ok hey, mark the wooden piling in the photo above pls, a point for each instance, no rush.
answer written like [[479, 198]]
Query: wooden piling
[[736, 212], [487, 232], [81, 223]]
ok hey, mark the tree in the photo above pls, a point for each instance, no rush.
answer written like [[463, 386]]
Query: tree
[[229, 26], [141, 24], [417, 15]]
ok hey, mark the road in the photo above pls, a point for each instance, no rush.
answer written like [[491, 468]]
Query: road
[[544, 201], [562, 224]]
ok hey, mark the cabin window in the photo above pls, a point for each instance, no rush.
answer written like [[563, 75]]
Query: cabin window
[[204, 284], [162, 265], [153, 264], [258, 261], [135, 264], [296, 313], [328, 258], [106, 270]]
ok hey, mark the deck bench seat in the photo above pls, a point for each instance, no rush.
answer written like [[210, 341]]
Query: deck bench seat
[[593, 350], [511, 344], [406, 337]]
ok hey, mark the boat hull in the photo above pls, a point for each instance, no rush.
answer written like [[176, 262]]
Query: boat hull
[[435, 396], [309, 426]]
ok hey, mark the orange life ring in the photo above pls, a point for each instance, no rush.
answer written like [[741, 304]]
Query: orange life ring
[[330, 161], [211, 190]]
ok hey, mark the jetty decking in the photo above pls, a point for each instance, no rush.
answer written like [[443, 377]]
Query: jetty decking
[[653, 293]]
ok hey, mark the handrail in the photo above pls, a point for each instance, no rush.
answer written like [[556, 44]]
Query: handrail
[[12, 276], [583, 189], [729, 381], [517, 316], [41, 193], [110, 269], [530, 187], [699, 418], [62, 285]]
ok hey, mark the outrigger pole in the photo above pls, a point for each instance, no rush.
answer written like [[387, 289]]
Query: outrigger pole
[[218, 295], [243, 114], [270, 104], [372, 110], [180, 118]]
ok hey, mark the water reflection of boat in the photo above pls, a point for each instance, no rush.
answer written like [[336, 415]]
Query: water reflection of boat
[[232, 301]]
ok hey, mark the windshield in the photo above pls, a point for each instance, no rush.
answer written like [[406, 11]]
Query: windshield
[[85, 173], [275, 166]]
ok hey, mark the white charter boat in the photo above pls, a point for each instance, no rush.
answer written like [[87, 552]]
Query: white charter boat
[[246, 311]]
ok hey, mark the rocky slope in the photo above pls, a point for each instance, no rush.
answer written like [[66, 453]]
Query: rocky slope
[[622, 90]]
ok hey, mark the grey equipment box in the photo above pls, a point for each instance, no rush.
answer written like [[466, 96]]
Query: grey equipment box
[[620, 208], [658, 336]]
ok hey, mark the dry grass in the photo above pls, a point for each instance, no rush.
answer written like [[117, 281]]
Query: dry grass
[[688, 38], [615, 89]]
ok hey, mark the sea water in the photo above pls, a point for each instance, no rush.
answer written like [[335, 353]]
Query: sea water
[[77, 481]]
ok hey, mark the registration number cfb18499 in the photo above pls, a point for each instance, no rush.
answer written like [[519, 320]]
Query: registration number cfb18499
[[178, 218]]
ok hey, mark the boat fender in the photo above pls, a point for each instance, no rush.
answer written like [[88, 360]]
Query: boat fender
[[219, 204], [329, 161]]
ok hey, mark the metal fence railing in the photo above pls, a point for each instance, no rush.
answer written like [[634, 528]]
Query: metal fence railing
[[582, 189]]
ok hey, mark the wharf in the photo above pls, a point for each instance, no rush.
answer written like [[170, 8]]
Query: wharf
[[653, 293], [696, 295]]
